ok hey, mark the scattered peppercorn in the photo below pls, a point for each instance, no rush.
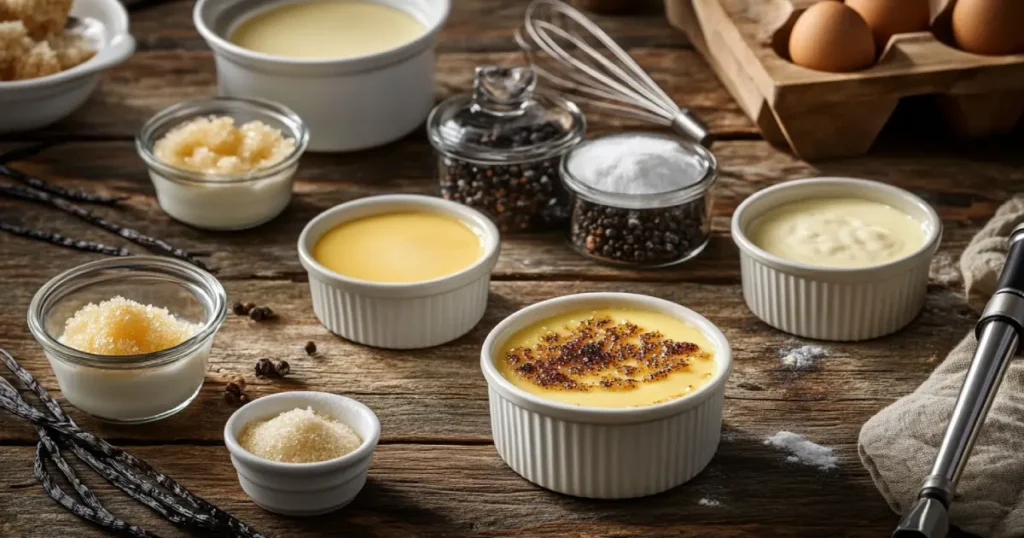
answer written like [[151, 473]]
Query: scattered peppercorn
[[234, 392], [238, 308], [261, 313], [310, 348], [267, 368]]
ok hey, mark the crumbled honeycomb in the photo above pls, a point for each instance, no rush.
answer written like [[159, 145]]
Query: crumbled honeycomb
[[33, 42], [213, 145], [119, 326], [299, 436]]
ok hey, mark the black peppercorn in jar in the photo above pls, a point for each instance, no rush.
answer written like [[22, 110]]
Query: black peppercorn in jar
[[641, 199], [499, 149]]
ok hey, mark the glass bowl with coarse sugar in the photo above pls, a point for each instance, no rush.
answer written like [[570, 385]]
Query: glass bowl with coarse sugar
[[223, 163], [639, 199], [129, 339]]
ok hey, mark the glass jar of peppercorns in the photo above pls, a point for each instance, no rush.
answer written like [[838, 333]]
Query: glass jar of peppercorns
[[499, 149], [641, 199]]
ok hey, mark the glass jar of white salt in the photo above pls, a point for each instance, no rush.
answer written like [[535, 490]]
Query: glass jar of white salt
[[639, 198]]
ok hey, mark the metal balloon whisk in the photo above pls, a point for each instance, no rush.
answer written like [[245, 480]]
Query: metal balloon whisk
[[575, 56]]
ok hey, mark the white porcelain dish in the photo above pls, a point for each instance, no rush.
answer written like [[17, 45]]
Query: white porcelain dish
[[405, 315], [835, 304], [223, 201], [35, 103], [349, 104], [599, 452], [303, 489]]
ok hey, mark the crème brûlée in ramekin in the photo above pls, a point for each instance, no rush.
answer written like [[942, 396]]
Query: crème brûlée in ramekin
[[610, 358]]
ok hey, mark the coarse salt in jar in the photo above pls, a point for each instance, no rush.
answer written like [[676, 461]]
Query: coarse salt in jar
[[640, 198], [146, 298], [499, 148]]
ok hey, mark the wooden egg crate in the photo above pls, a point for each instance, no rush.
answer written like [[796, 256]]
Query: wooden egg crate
[[823, 115]]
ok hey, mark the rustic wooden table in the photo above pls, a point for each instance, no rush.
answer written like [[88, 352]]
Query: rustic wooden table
[[436, 472]]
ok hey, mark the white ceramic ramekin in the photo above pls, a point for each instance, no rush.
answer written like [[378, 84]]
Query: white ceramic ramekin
[[598, 452], [38, 102], [303, 489], [829, 303], [406, 315], [348, 104]]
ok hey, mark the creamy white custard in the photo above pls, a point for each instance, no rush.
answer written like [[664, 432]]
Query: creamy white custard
[[837, 232], [327, 29]]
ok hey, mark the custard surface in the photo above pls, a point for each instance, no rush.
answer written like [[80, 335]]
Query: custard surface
[[837, 232], [327, 29], [399, 247], [572, 358]]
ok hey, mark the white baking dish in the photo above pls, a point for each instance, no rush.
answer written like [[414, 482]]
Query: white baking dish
[[38, 102], [599, 452], [348, 104], [403, 315], [835, 303], [304, 489]]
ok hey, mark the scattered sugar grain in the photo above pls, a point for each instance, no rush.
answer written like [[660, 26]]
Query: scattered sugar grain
[[804, 357], [802, 451], [119, 327], [944, 270], [299, 436], [709, 502]]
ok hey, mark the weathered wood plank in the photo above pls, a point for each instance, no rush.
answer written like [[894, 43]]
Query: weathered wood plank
[[439, 393], [964, 190], [429, 490]]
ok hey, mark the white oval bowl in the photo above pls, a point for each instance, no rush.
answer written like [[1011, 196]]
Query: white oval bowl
[[837, 304], [38, 102], [597, 452], [303, 489], [400, 315], [348, 103]]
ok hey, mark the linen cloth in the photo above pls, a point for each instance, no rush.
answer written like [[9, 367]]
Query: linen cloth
[[899, 444]]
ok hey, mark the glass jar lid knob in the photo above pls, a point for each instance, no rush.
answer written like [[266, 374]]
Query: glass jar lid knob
[[503, 89]]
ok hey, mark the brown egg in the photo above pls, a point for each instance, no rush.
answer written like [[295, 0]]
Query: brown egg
[[989, 26], [830, 36], [889, 17]]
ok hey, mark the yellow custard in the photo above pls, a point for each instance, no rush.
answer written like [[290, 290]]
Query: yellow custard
[[327, 29], [608, 358], [399, 247], [837, 232]]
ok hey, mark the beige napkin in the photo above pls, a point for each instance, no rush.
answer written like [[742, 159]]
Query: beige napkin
[[898, 445]]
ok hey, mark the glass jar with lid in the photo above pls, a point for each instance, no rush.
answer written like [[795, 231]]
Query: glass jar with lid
[[499, 149]]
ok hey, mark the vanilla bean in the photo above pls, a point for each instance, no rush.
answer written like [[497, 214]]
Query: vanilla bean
[[62, 240], [125, 471], [34, 195], [64, 192]]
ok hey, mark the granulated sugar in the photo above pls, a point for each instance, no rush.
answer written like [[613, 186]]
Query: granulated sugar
[[709, 502], [299, 436], [944, 270], [636, 164], [804, 357], [803, 451]]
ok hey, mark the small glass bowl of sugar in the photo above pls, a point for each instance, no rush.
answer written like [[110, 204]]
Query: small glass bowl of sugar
[[640, 199]]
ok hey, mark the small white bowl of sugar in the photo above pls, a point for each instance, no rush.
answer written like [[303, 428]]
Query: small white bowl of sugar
[[302, 453]]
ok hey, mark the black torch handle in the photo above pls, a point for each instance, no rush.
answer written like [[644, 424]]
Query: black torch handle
[[1012, 277]]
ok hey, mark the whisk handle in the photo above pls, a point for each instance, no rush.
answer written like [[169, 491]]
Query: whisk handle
[[687, 124]]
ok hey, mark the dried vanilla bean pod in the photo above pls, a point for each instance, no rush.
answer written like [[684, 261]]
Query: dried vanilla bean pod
[[63, 192], [84, 493], [33, 195], [63, 241], [82, 442], [78, 509]]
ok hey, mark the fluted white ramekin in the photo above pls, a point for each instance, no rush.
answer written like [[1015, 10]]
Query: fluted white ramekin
[[403, 315], [839, 304], [600, 452]]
